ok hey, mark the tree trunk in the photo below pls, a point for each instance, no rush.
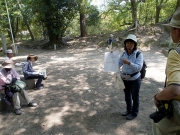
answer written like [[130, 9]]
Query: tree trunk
[[158, 10], [17, 26], [49, 24], [134, 11], [146, 15], [83, 25], [44, 32], [134, 15], [178, 4], [25, 20], [14, 25]]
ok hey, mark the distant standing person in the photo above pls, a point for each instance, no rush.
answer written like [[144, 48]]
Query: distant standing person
[[29, 73], [131, 76], [110, 41]]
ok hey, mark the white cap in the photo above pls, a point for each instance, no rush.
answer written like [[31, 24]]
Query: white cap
[[111, 35], [131, 37], [9, 51]]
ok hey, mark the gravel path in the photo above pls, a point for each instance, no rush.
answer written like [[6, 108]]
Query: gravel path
[[80, 99]]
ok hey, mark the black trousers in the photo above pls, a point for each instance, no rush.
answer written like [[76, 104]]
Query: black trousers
[[131, 92], [39, 77]]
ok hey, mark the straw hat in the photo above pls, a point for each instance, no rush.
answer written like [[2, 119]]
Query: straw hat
[[175, 20], [32, 56], [8, 64]]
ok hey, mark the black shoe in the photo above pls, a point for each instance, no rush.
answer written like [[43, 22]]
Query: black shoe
[[38, 88], [17, 111], [44, 78], [32, 104], [130, 117], [125, 113]]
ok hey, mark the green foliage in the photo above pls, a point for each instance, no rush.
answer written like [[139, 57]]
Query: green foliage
[[58, 18], [55, 15], [92, 16]]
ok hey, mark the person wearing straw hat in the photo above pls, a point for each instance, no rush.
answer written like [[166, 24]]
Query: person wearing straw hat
[[171, 92], [7, 76], [29, 73]]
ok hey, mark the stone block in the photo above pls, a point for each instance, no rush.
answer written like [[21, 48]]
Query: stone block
[[30, 83]]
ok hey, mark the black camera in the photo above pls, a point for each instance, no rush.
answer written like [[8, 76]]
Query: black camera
[[164, 109]]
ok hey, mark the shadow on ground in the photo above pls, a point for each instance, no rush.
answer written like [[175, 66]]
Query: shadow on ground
[[80, 99]]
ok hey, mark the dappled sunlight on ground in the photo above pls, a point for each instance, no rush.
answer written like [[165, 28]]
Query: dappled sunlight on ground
[[79, 98]]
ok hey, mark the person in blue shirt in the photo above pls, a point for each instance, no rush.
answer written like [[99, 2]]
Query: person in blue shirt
[[29, 73], [131, 75]]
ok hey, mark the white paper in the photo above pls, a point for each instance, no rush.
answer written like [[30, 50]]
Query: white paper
[[19, 64], [43, 72], [111, 63]]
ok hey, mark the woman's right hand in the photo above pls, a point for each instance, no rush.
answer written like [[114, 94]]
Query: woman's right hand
[[125, 61]]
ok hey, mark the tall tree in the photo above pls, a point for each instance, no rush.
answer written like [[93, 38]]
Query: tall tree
[[25, 19], [83, 25], [55, 15], [159, 4], [82, 7]]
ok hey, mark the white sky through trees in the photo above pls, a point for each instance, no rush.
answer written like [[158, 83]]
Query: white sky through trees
[[98, 3]]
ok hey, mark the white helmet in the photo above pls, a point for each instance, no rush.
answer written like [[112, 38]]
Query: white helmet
[[131, 37], [9, 51], [111, 35]]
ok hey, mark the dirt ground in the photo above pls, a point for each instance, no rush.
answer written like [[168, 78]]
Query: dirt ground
[[80, 99]]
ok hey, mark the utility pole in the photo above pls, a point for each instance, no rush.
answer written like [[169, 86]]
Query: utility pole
[[15, 48]]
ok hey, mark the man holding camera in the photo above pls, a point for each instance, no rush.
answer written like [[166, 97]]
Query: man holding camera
[[170, 126]]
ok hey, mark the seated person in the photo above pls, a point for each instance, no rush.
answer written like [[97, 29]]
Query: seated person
[[29, 73], [10, 55], [7, 75]]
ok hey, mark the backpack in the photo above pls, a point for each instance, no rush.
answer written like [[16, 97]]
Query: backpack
[[143, 69]]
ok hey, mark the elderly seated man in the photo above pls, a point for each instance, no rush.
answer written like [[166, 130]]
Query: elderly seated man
[[7, 76], [9, 55]]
